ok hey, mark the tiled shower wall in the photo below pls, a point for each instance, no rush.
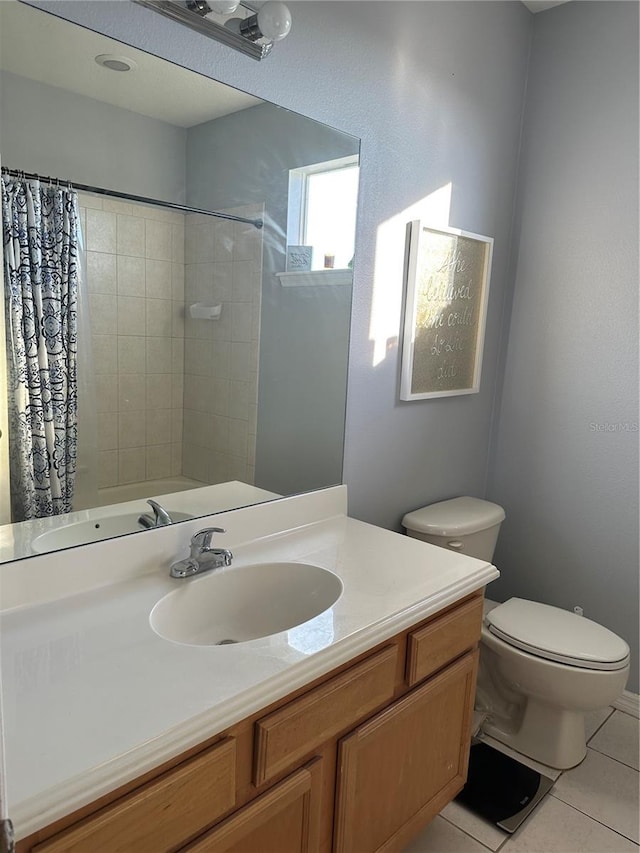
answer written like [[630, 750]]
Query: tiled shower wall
[[223, 266], [135, 277]]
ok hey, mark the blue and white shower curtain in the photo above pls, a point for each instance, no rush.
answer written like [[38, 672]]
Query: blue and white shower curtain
[[40, 227]]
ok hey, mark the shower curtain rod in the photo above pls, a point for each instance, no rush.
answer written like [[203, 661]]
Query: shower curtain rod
[[183, 208]]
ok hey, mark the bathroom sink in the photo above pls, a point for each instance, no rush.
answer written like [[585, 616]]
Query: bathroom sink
[[244, 603], [93, 530]]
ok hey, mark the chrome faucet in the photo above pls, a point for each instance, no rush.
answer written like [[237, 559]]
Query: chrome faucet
[[203, 558], [159, 518]]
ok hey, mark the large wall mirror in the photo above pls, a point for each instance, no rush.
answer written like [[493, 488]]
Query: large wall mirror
[[211, 356]]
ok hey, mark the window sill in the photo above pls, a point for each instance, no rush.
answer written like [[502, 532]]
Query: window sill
[[315, 277]]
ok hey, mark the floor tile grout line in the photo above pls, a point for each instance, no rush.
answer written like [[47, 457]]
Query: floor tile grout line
[[613, 758], [472, 837], [593, 818], [603, 723]]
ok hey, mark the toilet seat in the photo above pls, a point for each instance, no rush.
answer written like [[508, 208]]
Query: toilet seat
[[557, 635]]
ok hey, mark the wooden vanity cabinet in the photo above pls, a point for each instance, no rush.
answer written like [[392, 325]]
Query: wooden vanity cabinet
[[358, 761]]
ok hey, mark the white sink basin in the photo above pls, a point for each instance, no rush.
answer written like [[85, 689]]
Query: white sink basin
[[234, 605], [94, 530]]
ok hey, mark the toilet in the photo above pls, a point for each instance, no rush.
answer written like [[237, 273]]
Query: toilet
[[541, 668]]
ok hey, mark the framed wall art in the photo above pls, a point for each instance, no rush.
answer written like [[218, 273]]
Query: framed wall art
[[447, 289]]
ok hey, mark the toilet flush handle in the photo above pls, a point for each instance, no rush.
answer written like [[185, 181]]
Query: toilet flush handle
[[455, 545]]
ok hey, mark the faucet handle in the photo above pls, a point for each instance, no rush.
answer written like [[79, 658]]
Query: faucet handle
[[201, 541]]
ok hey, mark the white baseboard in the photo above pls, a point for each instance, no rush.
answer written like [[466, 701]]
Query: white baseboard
[[629, 703]]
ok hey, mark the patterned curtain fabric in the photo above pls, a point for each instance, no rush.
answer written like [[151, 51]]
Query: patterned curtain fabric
[[40, 228]]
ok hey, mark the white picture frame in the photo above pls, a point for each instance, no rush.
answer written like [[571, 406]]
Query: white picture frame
[[447, 290]]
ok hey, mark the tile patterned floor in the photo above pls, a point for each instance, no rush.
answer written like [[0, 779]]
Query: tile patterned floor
[[591, 809]]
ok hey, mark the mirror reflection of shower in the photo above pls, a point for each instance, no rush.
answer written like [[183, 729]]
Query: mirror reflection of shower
[[171, 333]]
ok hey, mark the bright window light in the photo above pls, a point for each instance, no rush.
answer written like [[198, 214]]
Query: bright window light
[[322, 211]]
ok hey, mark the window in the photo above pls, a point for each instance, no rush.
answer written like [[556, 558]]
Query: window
[[322, 211]]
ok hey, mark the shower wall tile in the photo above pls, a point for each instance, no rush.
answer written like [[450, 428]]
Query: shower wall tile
[[132, 429], [131, 276], [241, 317], [101, 273], [177, 282], [106, 392], [158, 391], [240, 361], [132, 465], [158, 317], [243, 286], [159, 355], [131, 354], [101, 231], [176, 425], [159, 427], [103, 311], [239, 396], [223, 266], [132, 311], [177, 355], [177, 243], [223, 273], [177, 320], [94, 202], [107, 429], [105, 353], [176, 459], [116, 206], [158, 279], [136, 281], [107, 468], [158, 240], [130, 236], [158, 462], [223, 237], [131, 392]]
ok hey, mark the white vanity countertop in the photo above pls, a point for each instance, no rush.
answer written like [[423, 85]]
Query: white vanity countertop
[[94, 698]]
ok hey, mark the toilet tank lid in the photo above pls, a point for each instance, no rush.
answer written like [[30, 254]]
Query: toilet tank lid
[[556, 634], [456, 517]]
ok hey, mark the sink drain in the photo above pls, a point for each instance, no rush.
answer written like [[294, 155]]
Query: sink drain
[[226, 642]]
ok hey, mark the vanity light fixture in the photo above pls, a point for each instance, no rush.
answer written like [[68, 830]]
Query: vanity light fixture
[[250, 27]]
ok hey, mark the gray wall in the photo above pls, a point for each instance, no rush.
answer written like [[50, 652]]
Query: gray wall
[[50, 131], [244, 158], [566, 458]]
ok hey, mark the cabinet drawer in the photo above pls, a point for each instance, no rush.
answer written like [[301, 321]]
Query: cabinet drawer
[[285, 819], [443, 639], [161, 815], [292, 732]]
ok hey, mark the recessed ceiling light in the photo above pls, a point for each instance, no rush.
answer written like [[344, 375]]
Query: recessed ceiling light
[[116, 63]]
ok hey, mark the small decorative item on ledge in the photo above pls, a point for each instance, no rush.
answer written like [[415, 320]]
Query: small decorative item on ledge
[[329, 261], [201, 311], [299, 258]]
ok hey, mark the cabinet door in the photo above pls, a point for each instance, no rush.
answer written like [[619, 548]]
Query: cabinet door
[[399, 769], [285, 819]]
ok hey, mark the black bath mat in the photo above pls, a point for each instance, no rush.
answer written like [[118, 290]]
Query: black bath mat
[[500, 789]]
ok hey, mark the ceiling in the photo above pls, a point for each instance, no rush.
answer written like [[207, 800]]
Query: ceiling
[[541, 5], [155, 88]]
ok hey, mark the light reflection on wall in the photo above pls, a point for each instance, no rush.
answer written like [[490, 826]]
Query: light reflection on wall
[[314, 635], [388, 285]]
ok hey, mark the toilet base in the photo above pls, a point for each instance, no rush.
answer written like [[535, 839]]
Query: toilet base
[[551, 735]]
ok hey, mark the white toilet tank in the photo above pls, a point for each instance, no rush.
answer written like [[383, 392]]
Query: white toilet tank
[[467, 525]]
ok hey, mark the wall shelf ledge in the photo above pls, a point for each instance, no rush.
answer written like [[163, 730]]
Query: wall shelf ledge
[[315, 277]]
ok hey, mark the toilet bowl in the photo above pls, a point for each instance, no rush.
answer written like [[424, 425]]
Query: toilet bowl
[[541, 668]]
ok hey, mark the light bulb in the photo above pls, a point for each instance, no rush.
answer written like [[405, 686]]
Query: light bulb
[[224, 7], [274, 20]]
